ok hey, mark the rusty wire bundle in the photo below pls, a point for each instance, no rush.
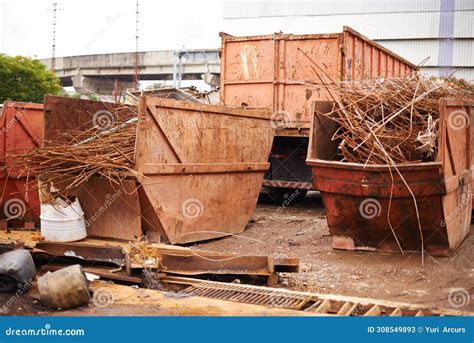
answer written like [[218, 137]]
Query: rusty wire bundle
[[68, 163], [389, 121]]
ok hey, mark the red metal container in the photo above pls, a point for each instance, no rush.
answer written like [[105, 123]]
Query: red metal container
[[274, 71], [364, 205], [21, 128], [271, 70]]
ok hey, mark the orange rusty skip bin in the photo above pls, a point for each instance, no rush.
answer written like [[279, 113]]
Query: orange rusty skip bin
[[357, 196], [202, 167], [271, 71], [21, 126]]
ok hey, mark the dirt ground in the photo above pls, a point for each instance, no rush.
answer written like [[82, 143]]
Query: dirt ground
[[301, 231]]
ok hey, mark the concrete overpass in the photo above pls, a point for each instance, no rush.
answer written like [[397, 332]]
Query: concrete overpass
[[97, 73]]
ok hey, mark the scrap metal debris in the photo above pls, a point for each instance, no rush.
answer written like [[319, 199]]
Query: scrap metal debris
[[159, 260], [389, 120], [185, 261]]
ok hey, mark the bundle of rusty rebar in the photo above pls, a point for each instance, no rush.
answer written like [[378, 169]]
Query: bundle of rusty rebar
[[105, 152], [389, 121]]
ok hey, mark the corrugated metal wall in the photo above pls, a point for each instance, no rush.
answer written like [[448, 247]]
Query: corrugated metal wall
[[442, 30]]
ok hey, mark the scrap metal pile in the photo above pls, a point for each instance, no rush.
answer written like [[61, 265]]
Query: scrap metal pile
[[391, 121], [105, 150], [63, 274]]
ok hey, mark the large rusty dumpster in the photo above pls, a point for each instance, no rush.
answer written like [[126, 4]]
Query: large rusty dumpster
[[364, 204], [109, 210], [21, 129], [202, 167], [274, 71]]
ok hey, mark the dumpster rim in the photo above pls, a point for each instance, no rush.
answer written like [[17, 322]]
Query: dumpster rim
[[258, 113], [315, 162]]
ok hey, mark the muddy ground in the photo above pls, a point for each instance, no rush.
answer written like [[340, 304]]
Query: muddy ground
[[301, 231]]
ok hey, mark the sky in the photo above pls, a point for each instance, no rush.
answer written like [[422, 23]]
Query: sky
[[105, 26]]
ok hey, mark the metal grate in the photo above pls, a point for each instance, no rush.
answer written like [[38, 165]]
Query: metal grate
[[322, 304], [258, 296]]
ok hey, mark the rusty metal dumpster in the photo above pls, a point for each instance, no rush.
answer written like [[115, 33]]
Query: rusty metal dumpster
[[202, 167], [271, 71], [21, 128], [364, 205], [109, 211]]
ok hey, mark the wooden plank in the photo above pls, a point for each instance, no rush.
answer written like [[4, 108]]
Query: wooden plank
[[373, 311], [396, 312], [324, 307], [347, 308]]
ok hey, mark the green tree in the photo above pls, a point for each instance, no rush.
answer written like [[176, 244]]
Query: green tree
[[26, 79]]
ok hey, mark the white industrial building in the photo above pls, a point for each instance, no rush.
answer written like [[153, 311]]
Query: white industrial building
[[442, 30]]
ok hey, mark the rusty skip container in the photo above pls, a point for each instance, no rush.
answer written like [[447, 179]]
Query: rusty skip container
[[363, 205], [271, 72], [201, 167], [21, 129], [123, 209], [268, 71]]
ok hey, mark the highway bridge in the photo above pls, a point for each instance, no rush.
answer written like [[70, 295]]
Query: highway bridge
[[97, 73]]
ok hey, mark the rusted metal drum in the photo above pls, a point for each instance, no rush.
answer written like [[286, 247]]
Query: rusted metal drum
[[64, 289], [371, 207]]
